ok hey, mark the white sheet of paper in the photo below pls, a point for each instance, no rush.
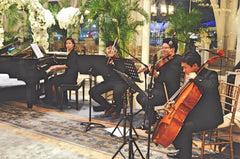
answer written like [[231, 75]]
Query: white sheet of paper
[[37, 51], [119, 131]]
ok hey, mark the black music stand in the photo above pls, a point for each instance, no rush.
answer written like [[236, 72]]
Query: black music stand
[[90, 124], [134, 75], [92, 65], [130, 140]]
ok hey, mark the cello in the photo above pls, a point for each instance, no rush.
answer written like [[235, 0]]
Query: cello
[[166, 130]]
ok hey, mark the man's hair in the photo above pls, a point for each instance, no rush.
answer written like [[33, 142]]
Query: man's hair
[[191, 57], [171, 42], [110, 43]]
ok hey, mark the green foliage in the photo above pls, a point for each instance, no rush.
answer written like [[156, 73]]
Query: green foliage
[[42, 2], [14, 17], [184, 23], [115, 19]]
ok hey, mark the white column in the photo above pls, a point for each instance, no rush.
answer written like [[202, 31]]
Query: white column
[[1, 29], [145, 45], [146, 34], [237, 59], [101, 47]]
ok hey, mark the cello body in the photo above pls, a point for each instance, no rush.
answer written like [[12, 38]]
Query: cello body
[[166, 130]]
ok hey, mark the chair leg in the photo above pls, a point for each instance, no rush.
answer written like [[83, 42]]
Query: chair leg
[[77, 99], [231, 146], [70, 93], [83, 90], [61, 98], [203, 144]]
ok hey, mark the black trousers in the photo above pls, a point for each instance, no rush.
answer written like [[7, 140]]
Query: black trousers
[[56, 81], [183, 141], [157, 98], [118, 87]]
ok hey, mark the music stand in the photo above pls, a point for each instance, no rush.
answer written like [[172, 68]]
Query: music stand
[[130, 140], [90, 124], [92, 65], [134, 76]]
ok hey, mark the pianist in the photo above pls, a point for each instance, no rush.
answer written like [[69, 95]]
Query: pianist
[[68, 77], [112, 81]]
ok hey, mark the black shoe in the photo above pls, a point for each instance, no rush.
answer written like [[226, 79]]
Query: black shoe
[[46, 100], [151, 131], [98, 108], [174, 154]]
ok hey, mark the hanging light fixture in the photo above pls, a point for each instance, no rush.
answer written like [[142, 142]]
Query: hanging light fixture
[[154, 10], [163, 9], [171, 9]]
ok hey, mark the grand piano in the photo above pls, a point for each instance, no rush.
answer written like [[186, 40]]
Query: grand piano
[[18, 60]]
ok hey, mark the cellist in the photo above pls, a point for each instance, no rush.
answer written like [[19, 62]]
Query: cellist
[[207, 113]]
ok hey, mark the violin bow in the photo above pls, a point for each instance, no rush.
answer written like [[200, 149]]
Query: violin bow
[[166, 93]]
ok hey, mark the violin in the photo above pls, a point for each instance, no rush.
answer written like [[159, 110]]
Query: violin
[[115, 57], [112, 59], [163, 61], [160, 63]]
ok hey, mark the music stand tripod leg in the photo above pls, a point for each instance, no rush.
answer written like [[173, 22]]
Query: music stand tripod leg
[[122, 119], [130, 140], [90, 124], [142, 122]]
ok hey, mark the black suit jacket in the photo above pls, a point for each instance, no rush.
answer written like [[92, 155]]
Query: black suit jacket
[[207, 113], [169, 74], [118, 65]]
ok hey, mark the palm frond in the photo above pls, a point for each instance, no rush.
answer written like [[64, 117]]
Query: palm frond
[[115, 18]]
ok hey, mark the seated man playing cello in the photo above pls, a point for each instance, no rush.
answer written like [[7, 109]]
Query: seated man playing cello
[[207, 113]]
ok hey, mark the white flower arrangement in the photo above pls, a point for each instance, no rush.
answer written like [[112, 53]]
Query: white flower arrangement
[[40, 19], [68, 16], [5, 4]]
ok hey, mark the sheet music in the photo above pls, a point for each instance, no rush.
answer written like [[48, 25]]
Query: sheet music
[[37, 51]]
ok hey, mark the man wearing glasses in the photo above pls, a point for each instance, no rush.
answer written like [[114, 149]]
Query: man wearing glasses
[[168, 75]]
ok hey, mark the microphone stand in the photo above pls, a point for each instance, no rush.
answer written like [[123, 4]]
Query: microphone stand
[[149, 107], [133, 57]]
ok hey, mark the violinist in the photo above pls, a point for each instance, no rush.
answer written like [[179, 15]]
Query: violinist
[[112, 81], [207, 113], [169, 73]]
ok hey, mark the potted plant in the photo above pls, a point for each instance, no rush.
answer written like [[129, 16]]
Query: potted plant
[[115, 19], [184, 24]]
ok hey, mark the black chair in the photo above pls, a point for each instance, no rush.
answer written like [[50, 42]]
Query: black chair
[[71, 87]]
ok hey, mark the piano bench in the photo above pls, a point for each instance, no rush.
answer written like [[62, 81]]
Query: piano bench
[[72, 87]]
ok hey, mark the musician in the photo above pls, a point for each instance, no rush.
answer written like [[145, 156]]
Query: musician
[[112, 81], [207, 113], [68, 77], [169, 74]]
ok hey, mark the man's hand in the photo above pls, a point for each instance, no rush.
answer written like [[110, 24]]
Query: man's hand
[[192, 75], [142, 69], [51, 68]]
